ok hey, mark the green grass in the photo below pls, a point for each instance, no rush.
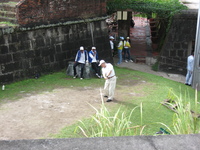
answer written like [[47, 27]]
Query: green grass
[[8, 23], [45, 83], [146, 88]]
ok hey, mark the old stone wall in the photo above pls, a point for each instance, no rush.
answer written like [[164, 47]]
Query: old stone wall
[[179, 42], [25, 52], [34, 12]]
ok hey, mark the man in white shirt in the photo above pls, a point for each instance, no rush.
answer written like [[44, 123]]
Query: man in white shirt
[[110, 83], [112, 45], [81, 59], [190, 65]]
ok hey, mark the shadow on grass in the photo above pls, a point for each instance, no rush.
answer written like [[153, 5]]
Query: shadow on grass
[[125, 103]]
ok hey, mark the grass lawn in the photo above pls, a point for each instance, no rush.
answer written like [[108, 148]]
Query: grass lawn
[[133, 88]]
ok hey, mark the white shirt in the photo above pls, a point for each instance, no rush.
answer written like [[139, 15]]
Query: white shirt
[[93, 57], [111, 44], [109, 68], [190, 63], [82, 58]]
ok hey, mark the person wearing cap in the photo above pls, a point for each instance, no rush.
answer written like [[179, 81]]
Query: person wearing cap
[[112, 45], [120, 49], [108, 73], [93, 59], [127, 47], [81, 59]]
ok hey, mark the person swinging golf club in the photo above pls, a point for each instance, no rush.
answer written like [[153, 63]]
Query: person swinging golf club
[[108, 73]]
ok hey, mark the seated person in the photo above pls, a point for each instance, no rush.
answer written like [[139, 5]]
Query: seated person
[[81, 59]]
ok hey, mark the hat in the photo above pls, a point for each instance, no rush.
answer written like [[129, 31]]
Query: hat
[[101, 62], [121, 38], [81, 48], [112, 38], [93, 47], [127, 38]]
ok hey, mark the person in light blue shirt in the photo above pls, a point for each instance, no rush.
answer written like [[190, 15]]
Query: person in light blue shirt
[[190, 66], [94, 59], [81, 59]]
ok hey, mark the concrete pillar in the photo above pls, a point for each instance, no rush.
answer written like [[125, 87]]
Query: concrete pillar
[[196, 72]]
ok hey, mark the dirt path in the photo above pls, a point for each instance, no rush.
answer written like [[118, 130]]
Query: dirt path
[[37, 116]]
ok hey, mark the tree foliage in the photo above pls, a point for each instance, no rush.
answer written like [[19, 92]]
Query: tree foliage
[[163, 8]]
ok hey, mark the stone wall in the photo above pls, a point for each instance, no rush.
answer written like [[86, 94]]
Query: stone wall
[[25, 52], [179, 42], [34, 12]]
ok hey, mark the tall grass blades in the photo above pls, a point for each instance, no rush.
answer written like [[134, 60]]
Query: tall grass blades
[[185, 121], [106, 124]]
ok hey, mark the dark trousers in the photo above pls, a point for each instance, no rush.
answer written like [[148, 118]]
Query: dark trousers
[[96, 68], [127, 51], [82, 68]]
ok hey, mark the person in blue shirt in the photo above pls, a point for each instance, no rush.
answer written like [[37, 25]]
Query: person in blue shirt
[[190, 66], [81, 59], [94, 59]]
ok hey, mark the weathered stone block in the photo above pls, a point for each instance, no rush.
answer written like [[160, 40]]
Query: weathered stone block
[[3, 49], [7, 58], [58, 48], [40, 42], [13, 48], [37, 61], [8, 68], [29, 54], [6, 78], [46, 52], [177, 45], [88, 72], [37, 53], [60, 56]]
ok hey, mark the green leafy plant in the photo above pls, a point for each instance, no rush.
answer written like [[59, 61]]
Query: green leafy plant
[[155, 66]]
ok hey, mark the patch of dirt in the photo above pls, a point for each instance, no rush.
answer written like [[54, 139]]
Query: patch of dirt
[[36, 116]]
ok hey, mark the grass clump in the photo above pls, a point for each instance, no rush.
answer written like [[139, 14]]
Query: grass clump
[[107, 124], [186, 119], [7, 23]]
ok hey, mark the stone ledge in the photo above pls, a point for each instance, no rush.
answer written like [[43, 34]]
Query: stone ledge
[[17, 28], [164, 142]]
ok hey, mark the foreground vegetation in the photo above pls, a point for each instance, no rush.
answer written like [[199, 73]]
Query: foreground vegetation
[[137, 109]]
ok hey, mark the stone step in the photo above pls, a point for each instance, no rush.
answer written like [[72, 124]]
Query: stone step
[[140, 60], [6, 19], [8, 14]]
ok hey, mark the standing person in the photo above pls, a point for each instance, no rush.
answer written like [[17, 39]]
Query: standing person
[[120, 49], [132, 23], [127, 47], [112, 45], [190, 65], [81, 59], [110, 83], [93, 59]]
